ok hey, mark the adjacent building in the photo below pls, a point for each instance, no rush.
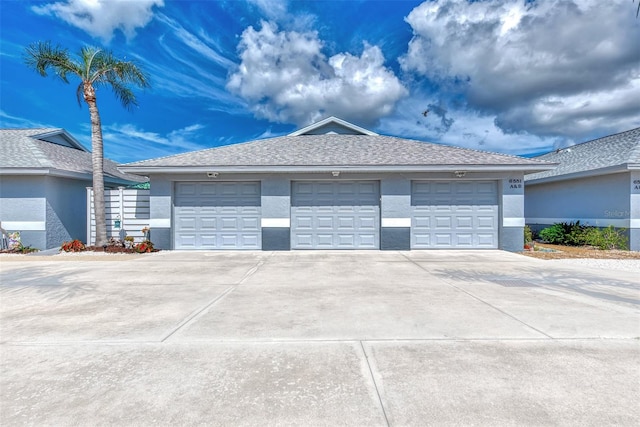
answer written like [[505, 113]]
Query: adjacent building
[[596, 182], [44, 175]]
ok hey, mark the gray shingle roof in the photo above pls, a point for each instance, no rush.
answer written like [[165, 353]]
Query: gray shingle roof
[[22, 149], [336, 150], [620, 149]]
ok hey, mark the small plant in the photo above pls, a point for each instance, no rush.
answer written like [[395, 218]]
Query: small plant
[[528, 236], [21, 249], [73, 246], [143, 247], [128, 242], [115, 242]]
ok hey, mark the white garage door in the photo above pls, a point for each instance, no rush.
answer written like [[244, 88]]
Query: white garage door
[[217, 215], [454, 214], [335, 215]]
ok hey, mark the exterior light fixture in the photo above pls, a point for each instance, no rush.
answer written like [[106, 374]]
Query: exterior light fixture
[[460, 174], [335, 174], [212, 174]]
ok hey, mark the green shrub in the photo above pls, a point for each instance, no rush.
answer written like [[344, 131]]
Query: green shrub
[[553, 234], [575, 233], [566, 233], [528, 235], [607, 238]]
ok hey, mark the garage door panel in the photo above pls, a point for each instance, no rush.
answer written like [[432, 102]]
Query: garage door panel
[[464, 240], [324, 241], [324, 223], [185, 189], [454, 214], [217, 215], [487, 240], [464, 188], [343, 214], [302, 223], [305, 240], [443, 239], [208, 224], [368, 241], [488, 187], [186, 223], [367, 224], [442, 222], [207, 241], [486, 222], [346, 222], [422, 239], [422, 222], [346, 240], [463, 222], [442, 188]]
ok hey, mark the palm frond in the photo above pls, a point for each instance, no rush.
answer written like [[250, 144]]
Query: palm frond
[[43, 56], [122, 92], [80, 93], [94, 66], [90, 60], [124, 71]]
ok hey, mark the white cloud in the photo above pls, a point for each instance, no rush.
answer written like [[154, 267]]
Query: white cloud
[[285, 77], [461, 127], [9, 121], [197, 44], [272, 9], [127, 142], [101, 18], [548, 67]]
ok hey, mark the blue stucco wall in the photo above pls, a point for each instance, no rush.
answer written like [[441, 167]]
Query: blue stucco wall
[[599, 201], [66, 210], [603, 198]]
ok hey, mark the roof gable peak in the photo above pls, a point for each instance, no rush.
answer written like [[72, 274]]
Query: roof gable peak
[[60, 137], [332, 125]]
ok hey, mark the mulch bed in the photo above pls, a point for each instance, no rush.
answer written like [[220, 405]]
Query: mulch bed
[[565, 252], [113, 250]]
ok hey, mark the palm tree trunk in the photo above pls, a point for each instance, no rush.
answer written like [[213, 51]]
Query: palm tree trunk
[[97, 160]]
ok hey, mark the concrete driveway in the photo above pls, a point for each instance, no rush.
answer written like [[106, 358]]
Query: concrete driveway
[[317, 338]]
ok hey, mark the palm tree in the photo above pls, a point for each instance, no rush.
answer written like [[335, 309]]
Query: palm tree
[[95, 68]]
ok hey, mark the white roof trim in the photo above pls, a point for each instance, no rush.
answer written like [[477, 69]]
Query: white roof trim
[[336, 120], [342, 168]]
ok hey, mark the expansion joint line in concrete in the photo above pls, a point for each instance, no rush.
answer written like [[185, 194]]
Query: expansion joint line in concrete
[[481, 300], [375, 385], [195, 315]]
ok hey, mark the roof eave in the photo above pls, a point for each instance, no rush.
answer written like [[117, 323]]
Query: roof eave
[[85, 176], [331, 168], [584, 174]]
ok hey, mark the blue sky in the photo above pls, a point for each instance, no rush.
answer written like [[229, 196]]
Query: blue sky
[[514, 76]]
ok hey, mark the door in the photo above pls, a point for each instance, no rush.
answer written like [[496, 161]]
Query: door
[[335, 215], [217, 215], [454, 214]]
